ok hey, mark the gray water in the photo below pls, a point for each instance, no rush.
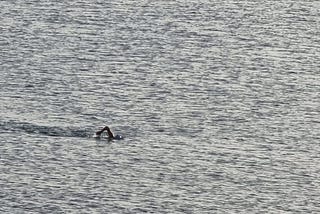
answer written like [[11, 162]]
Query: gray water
[[218, 102]]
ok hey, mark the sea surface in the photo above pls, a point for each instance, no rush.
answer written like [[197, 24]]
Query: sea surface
[[218, 101]]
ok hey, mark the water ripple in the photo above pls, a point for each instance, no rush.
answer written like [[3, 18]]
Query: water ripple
[[219, 103]]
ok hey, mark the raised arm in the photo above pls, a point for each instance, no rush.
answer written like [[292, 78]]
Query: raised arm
[[100, 132], [109, 132], [105, 129]]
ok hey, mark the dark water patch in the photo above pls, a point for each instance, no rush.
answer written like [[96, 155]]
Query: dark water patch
[[30, 128]]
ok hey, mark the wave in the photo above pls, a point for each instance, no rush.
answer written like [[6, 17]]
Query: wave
[[30, 128]]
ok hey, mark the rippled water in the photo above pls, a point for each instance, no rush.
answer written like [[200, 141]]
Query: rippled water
[[218, 102]]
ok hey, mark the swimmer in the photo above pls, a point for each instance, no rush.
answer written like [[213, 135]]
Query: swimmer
[[110, 134]]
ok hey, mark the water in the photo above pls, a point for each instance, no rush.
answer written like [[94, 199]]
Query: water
[[218, 102]]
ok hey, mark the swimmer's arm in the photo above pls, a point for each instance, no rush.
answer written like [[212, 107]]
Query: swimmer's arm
[[98, 133], [109, 132]]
